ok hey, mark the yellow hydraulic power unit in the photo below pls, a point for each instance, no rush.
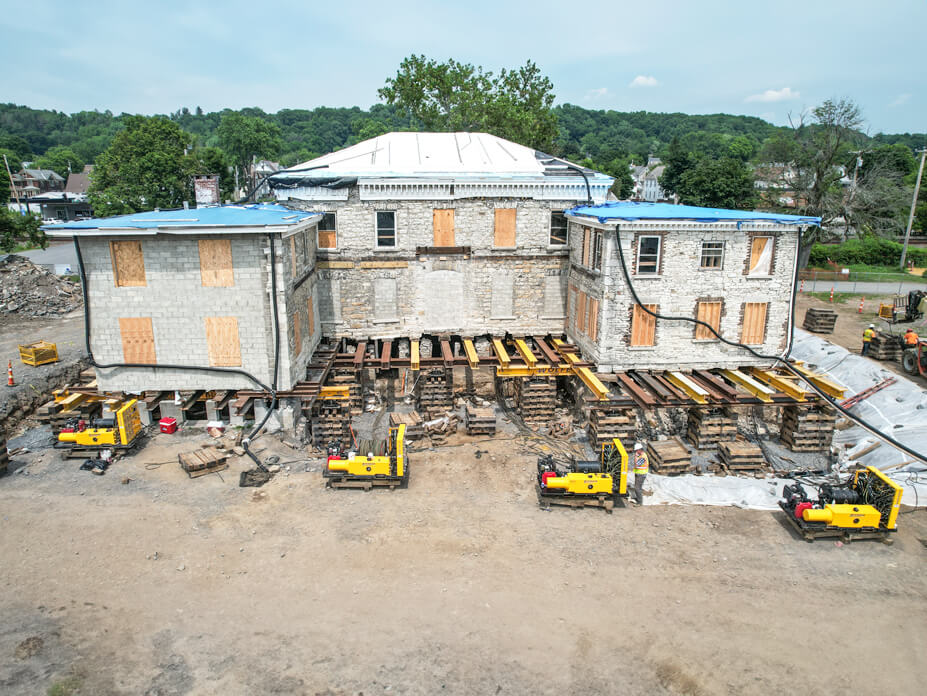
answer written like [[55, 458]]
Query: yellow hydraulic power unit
[[384, 464], [865, 506], [596, 483], [119, 432]]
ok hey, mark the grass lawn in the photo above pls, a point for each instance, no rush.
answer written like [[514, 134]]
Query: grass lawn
[[872, 273], [839, 297]]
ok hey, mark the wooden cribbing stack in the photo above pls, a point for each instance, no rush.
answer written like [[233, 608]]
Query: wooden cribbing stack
[[741, 456], [706, 428], [412, 421], [435, 393], [808, 429], [331, 423], [885, 347], [820, 320], [536, 398], [669, 457], [203, 461], [606, 422], [480, 421]]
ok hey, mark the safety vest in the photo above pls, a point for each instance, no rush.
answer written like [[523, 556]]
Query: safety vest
[[910, 338], [641, 463], [867, 335]]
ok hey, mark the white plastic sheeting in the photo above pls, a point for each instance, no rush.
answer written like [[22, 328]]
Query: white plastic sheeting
[[749, 493]]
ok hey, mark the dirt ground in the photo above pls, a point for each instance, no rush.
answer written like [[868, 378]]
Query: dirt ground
[[459, 585]]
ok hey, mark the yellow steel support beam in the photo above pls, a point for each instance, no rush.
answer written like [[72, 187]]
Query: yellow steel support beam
[[415, 356], [780, 382], [501, 353], [339, 393], [525, 351], [760, 391], [472, 357], [536, 371], [827, 386], [588, 378], [692, 390]]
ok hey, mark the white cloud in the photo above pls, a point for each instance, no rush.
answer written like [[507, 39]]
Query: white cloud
[[644, 81], [594, 94], [774, 95], [901, 99]]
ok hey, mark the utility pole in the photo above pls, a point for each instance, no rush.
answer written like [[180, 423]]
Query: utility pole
[[917, 190], [12, 185]]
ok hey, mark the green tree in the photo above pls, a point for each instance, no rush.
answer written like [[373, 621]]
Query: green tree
[[245, 137], [454, 96], [146, 167], [62, 160], [16, 228], [718, 183], [677, 161]]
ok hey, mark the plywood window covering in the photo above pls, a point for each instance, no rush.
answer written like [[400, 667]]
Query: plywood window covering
[[592, 320], [505, 227], [581, 312], [443, 222], [128, 264], [216, 263], [761, 252], [293, 256], [754, 330], [297, 334], [710, 313], [587, 233], [137, 340], [643, 326], [558, 229], [328, 237], [223, 342], [311, 326]]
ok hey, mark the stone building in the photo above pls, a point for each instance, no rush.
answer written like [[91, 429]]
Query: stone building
[[193, 288], [459, 233], [731, 269]]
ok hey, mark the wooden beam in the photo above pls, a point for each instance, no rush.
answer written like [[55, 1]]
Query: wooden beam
[[525, 352], [472, 357], [501, 353], [414, 355]]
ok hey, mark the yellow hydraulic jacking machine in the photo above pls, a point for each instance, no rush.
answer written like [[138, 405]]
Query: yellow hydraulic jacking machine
[[596, 483], [383, 464], [121, 432]]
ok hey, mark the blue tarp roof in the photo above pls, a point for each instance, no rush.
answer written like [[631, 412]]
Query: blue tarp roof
[[630, 210], [257, 215]]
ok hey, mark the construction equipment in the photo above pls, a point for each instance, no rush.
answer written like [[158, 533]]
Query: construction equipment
[[914, 360], [384, 464], [866, 506], [38, 353], [904, 308], [596, 483], [119, 432]]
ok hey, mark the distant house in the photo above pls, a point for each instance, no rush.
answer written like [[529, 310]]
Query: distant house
[[79, 182], [61, 205], [260, 170], [647, 182], [31, 182]]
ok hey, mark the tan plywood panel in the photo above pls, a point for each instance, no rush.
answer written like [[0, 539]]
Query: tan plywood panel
[[710, 313], [128, 263], [223, 342], [137, 340], [754, 329], [761, 256], [444, 227], [311, 326], [216, 263], [505, 227], [592, 322], [643, 326], [587, 234], [328, 239], [581, 311]]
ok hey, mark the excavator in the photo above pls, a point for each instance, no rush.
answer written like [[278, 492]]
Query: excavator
[[384, 464], [595, 483]]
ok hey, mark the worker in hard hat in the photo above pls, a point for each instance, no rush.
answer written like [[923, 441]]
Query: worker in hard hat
[[910, 338], [641, 469], [867, 338]]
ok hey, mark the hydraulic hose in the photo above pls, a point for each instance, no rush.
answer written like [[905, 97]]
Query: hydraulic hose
[[570, 165], [783, 359], [198, 368]]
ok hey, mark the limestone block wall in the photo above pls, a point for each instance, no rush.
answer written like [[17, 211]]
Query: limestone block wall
[[677, 289]]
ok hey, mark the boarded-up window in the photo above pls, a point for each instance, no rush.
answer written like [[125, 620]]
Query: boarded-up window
[[293, 256], [587, 234], [553, 297], [444, 227], [223, 342], [311, 310], [643, 326], [710, 313], [328, 238], [581, 311], [128, 264], [761, 252], [592, 319], [754, 323], [385, 300], [137, 340], [297, 334], [216, 263], [505, 227], [503, 296]]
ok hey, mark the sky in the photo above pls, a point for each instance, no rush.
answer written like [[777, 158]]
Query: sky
[[770, 60]]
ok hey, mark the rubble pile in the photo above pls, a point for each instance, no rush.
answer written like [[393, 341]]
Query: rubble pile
[[28, 290]]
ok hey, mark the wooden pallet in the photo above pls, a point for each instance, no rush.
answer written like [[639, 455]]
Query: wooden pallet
[[669, 457], [412, 421], [203, 461], [820, 320], [741, 456]]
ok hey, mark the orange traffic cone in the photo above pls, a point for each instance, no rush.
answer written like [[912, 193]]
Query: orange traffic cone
[[9, 374], [861, 300], [832, 294]]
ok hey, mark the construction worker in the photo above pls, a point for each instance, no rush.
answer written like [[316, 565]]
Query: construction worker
[[867, 337], [910, 338], [641, 468]]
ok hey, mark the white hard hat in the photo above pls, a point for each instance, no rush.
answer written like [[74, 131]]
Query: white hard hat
[[638, 445], [872, 326]]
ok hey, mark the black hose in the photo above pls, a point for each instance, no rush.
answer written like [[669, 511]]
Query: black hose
[[572, 166], [196, 368], [776, 358]]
